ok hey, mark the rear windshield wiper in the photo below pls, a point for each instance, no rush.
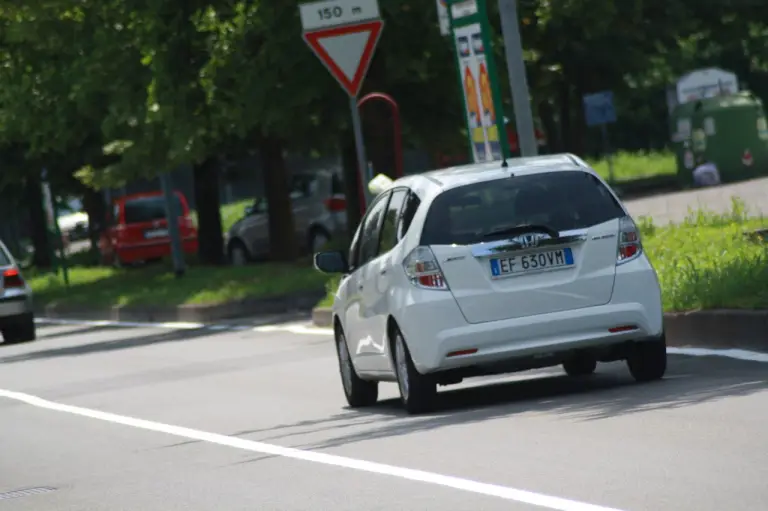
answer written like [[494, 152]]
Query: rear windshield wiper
[[518, 230]]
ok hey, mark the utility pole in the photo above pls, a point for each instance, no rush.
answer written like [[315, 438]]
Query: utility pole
[[172, 216], [518, 82]]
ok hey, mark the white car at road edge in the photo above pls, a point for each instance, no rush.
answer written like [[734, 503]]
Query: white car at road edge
[[489, 269]]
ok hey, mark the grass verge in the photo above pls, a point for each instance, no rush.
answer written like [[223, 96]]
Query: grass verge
[[705, 262], [631, 166], [155, 285]]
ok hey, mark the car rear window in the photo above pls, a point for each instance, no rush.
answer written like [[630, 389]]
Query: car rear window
[[149, 209], [562, 201]]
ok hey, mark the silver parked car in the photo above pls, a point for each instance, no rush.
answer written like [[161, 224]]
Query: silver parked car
[[17, 321], [319, 214]]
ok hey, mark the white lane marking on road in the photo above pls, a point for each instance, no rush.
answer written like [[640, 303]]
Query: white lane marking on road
[[751, 356], [295, 329], [492, 490], [125, 324]]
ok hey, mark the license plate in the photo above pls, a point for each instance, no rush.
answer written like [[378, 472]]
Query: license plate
[[157, 233], [540, 261]]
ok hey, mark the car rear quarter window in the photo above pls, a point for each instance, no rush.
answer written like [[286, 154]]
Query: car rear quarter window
[[148, 209], [370, 235], [389, 235], [562, 201]]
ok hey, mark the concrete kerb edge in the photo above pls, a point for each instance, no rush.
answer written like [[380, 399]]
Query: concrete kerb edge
[[322, 317], [303, 302], [716, 329]]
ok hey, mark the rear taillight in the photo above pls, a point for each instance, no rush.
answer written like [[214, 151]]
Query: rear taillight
[[336, 204], [12, 278], [187, 222], [630, 246], [423, 271]]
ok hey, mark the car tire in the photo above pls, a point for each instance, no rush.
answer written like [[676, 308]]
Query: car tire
[[418, 392], [359, 393], [238, 253], [20, 329], [580, 366], [648, 360]]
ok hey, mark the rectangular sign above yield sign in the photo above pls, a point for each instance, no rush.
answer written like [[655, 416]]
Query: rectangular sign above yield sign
[[335, 13]]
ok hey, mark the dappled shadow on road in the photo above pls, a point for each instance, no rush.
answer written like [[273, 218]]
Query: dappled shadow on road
[[80, 330], [134, 341], [610, 393]]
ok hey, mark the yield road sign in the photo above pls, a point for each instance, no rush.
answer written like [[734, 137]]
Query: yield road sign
[[343, 34], [346, 51]]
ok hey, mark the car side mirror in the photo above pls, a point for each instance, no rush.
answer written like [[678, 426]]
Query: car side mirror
[[331, 262]]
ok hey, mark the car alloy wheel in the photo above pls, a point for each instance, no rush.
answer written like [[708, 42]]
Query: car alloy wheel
[[417, 391], [237, 255], [359, 392], [345, 365], [401, 359]]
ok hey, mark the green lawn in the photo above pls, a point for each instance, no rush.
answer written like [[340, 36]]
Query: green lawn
[[155, 285], [230, 213], [631, 166]]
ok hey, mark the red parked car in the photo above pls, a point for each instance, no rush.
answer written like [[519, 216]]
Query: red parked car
[[137, 230]]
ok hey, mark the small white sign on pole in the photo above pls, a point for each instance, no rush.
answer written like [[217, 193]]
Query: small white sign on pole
[[442, 17], [464, 9], [333, 13]]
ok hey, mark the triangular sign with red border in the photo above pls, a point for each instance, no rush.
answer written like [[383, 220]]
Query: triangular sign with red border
[[346, 51]]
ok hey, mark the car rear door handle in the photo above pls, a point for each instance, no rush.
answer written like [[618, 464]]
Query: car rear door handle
[[383, 272]]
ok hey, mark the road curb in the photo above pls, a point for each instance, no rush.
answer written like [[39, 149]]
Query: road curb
[[322, 317], [251, 307], [740, 329]]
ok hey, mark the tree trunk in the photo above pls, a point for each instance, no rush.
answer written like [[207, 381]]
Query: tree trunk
[[283, 244], [96, 208], [547, 115], [565, 115], [208, 205], [351, 181], [38, 224]]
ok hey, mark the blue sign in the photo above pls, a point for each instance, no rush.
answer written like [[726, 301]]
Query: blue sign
[[599, 109]]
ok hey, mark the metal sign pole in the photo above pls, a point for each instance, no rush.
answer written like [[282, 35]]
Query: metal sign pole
[[608, 153], [362, 161], [172, 217], [518, 81]]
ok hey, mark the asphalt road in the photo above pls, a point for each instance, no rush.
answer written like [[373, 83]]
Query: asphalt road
[[145, 418], [674, 207]]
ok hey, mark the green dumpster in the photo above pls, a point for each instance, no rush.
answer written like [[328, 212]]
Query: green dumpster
[[731, 131]]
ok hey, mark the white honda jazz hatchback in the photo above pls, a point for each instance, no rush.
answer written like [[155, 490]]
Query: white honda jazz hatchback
[[489, 269]]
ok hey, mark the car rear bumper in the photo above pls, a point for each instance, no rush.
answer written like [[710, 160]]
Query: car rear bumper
[[15, 305], [636, 302], [153, 250]]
